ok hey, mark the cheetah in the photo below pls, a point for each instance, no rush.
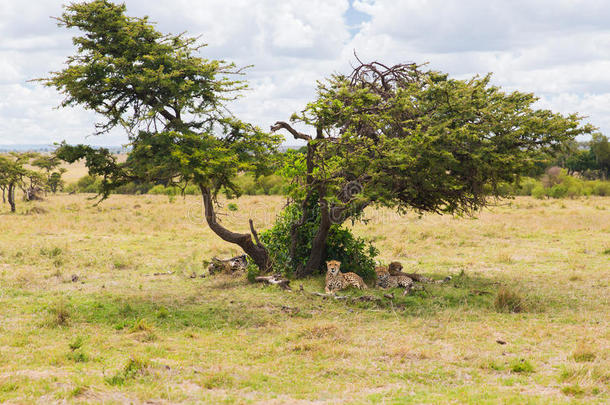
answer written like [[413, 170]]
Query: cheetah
[[335, 280], [395, 269], [386, 280]]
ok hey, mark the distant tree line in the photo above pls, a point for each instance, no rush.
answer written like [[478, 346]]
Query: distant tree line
[[590, 160]]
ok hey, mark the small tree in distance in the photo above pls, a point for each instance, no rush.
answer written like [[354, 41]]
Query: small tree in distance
[[50, 165], [15, 175]]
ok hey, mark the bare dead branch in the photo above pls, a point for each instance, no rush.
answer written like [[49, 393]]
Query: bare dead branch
[[255, 234], [284, 125]]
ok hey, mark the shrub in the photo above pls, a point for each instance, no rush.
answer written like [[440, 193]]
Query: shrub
[[527, 186], [160, 189], [600, 188], [89, 184], [272, 184], [355, 254], [556, 183], [558, 191], [539, 191], [133, 188], [93, 184], [246, 184], [574, 187]]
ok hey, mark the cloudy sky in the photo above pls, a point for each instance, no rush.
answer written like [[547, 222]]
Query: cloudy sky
[[558, 49]]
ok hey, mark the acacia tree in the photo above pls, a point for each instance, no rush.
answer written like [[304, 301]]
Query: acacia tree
[[172, 103], [50, 165], [411, 139], [14, 175]]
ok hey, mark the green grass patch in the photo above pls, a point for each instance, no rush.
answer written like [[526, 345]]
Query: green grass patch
[[521, 366], [135, 313], [462, 291]]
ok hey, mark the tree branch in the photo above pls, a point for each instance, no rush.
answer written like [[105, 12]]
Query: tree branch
[[284, 125], [255, 234]]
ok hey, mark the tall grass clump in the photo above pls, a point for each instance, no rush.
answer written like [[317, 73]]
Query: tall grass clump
[[59, 314], [510, 301], [133, 368]]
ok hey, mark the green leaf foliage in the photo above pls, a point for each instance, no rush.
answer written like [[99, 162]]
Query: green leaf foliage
[[355, 254], [417, 139], [169, 99]]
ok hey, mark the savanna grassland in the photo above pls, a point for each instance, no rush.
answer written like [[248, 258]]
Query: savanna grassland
[[84, 318]]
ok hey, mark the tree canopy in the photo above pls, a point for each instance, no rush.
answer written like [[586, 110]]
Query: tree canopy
[[172, 103], [15, 174], [414, 139]]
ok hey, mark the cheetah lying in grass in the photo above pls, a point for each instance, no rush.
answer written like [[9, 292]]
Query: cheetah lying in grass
[[395, 270], [386, 280], [335, 280]]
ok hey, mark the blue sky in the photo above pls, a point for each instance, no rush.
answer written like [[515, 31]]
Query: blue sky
[[559, 49]]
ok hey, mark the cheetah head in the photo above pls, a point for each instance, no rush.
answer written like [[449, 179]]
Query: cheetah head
[[381, 271], [395, 267], [333, 266]]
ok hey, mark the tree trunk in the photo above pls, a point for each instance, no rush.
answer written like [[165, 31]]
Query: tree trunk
[[3, 195], [318, 245], [11, 196], [255, 249]]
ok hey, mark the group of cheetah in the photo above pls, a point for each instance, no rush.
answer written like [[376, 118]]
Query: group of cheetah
[[391, 276]]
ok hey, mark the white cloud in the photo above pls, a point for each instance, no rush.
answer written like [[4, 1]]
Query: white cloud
[[559, 49]]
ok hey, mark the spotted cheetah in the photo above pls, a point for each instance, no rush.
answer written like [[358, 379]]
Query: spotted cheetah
[[395, 269], [335, 280], [387, 280]]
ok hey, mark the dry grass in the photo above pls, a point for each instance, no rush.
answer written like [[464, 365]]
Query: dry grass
[[171, 338]]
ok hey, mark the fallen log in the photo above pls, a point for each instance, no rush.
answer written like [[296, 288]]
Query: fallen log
[[228, 266], [280, 281]]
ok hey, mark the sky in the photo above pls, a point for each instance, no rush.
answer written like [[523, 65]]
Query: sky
[[557, 49]]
